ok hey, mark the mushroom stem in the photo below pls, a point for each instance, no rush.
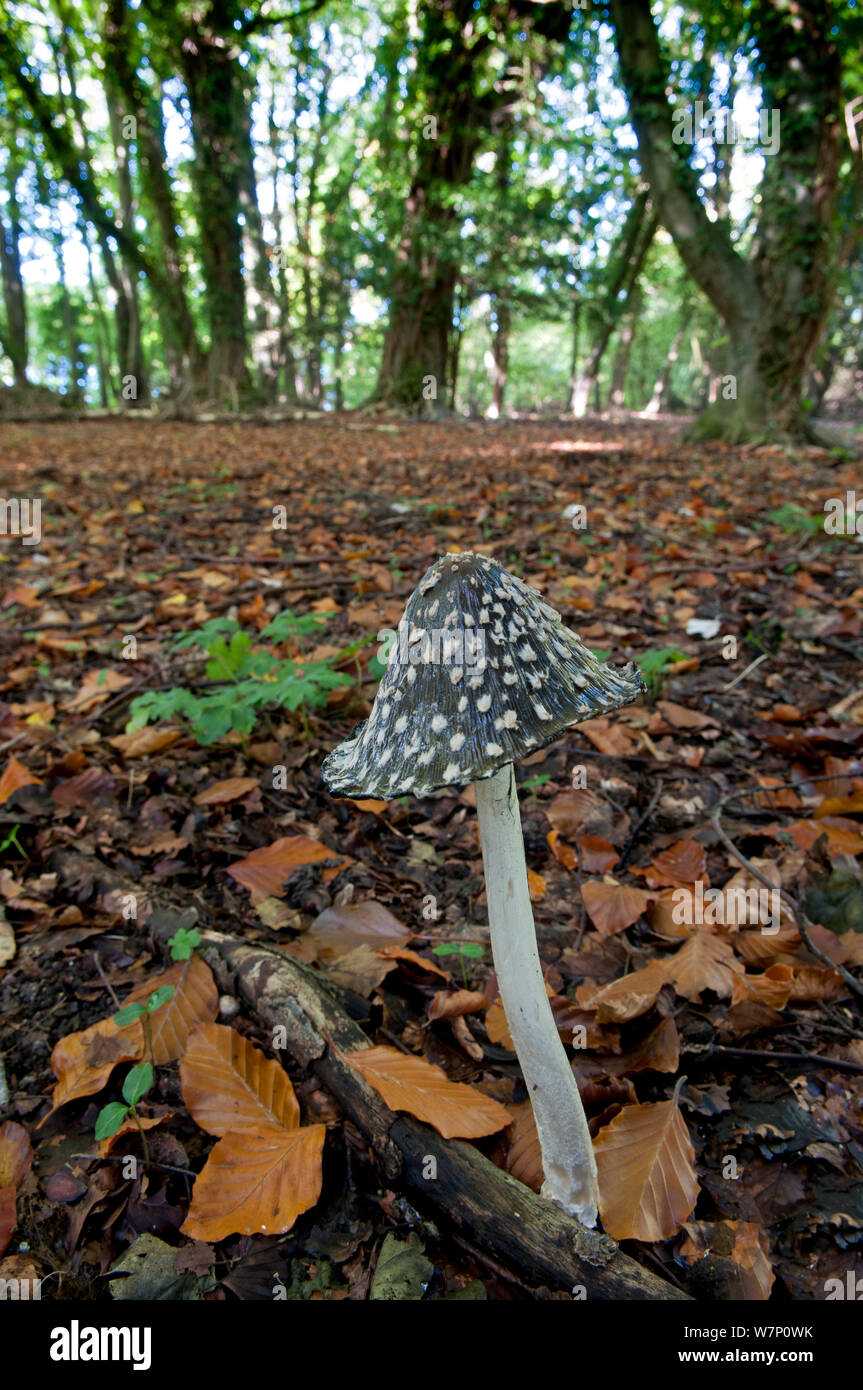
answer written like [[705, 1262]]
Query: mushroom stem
[[567, 1151]]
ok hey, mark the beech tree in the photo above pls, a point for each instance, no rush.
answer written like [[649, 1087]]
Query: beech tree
[[773, 301]]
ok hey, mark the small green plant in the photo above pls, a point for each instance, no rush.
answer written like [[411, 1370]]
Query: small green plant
[[470, 950], [250, 678], [129, 1012], [12, 839], [794, 521], [654, 666], [112, 1116], [183, 943], [139, 1079]]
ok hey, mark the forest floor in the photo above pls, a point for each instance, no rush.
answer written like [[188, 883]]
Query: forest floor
[[711, 566]]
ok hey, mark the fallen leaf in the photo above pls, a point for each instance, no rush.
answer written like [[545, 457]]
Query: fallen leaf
[[677, 866], [340, 929], [626, 998], [256, 1183], [408, 1083], [612, 907], [773, 987], [647, 1179], [265, 871], [195, 1000], [524, 1155], [145, 741], [82, 1062], [704, 961], [16, 775], [231, 789], [16, 1155], [444, 1004], [229, 1086]]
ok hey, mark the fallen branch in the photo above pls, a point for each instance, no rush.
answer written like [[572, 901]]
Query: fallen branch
[[482, 1204]]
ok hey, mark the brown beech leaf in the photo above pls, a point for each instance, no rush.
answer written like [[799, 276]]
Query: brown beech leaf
[[195, 1000], [647, 1180], [16, 1155], [563, 853], [773, 987], [813, 983], [461, 1001], [82, 1062], [659, 1051], [524, 1156], [16, 775], [536, 885], [612, 907], [404, 953], [665, 911], [259, 1181], [407, 1083], [341, 928], [626, 998], [680, 864], [609, 738], [231, 789], [145, 741], [758, 948], [704, 961], [231, 1087], [266, 871], [597, 855]]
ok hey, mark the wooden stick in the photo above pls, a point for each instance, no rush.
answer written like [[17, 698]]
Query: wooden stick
[[477, 1200]]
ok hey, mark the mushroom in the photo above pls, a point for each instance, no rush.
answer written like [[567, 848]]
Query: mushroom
[[484, 673]]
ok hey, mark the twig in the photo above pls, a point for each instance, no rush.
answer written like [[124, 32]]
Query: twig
[[107, 983], [751, 667], [839, 1063]]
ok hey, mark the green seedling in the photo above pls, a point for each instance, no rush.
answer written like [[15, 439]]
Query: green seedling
[[140, 1078], [183, 943], [655, 665], [112, 1116], [470, 950], [251, 678], [129, 1012], [794, 521], [12, 839]]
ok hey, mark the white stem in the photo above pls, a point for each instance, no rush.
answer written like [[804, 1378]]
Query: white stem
[[567, 1151]]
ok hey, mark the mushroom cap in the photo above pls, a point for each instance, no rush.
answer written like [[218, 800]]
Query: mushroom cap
[[483, 672]]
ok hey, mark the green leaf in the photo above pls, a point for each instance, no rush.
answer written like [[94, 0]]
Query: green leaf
[[159, 997], [183, 943], [128, 1014], [447, 948], [109, 1119], [138, 1082], [472, 949]]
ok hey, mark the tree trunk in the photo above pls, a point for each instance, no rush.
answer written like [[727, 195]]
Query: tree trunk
[[660, 397], [635, 239], [499, 363], [773, 306], [214, 85], [14, 335], [128, 96], [620, 368], [415, 365]]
